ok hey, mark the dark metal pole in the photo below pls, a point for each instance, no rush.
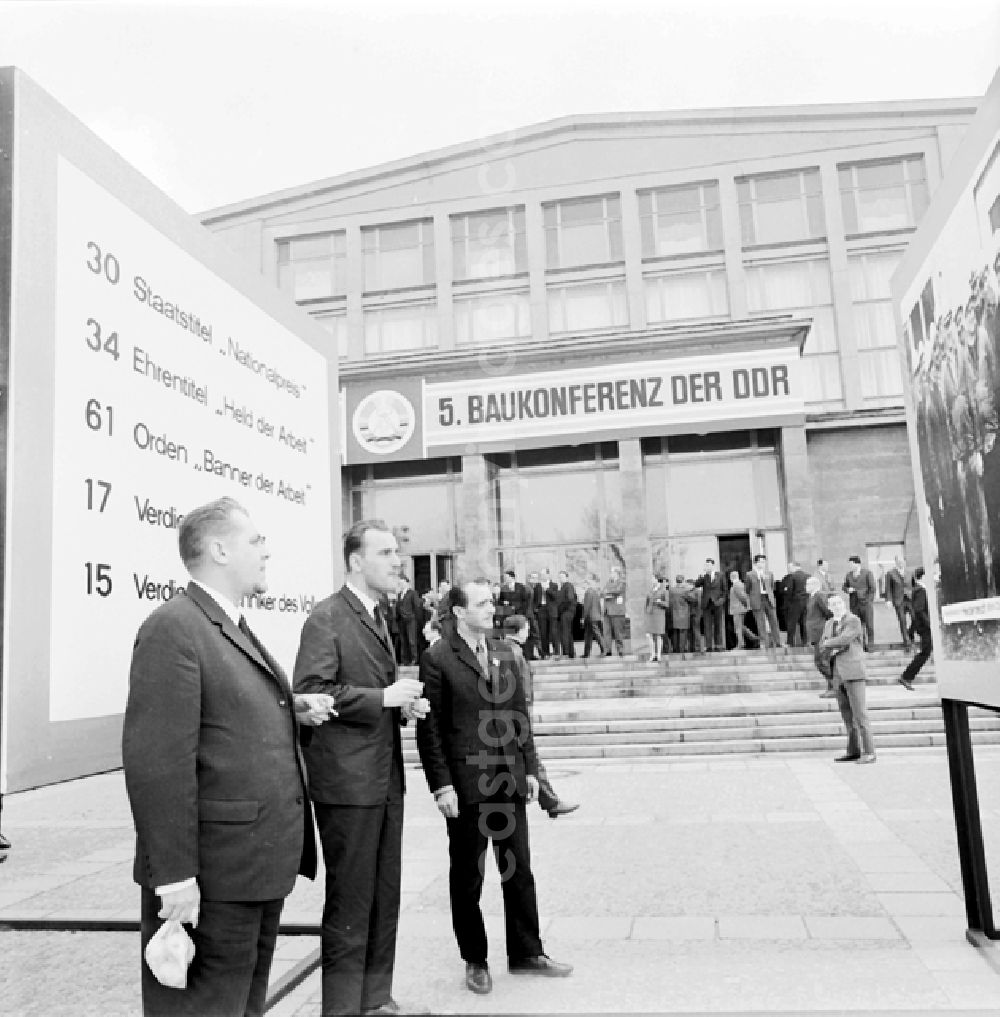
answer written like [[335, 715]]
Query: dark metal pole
[[965, 801]]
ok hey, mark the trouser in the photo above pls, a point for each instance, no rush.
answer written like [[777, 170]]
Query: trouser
[[714, 626], [531, 644], [618, 623], [680, 640], [795, 622], [821, 658], [741, 630], [926, 648], [567, 647], [501, 819], [409, 652], [547, 797], [904, 627], [593, 630], [866, 612], [233, 948], [767, 622], [697, 643], [854, 712], [548, 627], [362, 850]]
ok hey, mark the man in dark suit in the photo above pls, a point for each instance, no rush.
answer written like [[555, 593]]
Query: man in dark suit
[[713, 606], [795, 599], [516, 598], [479, 758], [760, 593], [921, 626], [859, 583], [355, 767], [842, 638], [410, 614], [897, 594], [616, 611], [566, 605], [213, 773], [593, 618], [817, 614], [547, 608]]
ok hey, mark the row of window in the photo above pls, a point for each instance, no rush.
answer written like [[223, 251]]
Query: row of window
[[681, 220], [802, 286]]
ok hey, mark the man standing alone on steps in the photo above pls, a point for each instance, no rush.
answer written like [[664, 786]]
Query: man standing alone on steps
[[859, 583]]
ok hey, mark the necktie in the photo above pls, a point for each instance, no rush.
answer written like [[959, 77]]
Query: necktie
[[380, 622], [484, 660], [245, 629]]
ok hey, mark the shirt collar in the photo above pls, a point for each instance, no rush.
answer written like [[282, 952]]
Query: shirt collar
[[231, 609], [367, 602]]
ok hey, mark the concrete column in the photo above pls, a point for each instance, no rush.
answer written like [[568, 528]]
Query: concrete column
[[801, 516], [732, 240], [355, 288], [478, 558], [534, 240], [632, 245], [637, 548]]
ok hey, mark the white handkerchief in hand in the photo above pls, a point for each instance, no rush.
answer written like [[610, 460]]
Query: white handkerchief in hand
[[169, 953]]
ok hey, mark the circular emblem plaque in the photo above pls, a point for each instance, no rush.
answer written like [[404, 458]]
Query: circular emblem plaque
[[383, 422]]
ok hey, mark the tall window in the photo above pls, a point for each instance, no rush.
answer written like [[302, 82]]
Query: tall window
[[680, 220], [587, 307], [489, 316], [803, 286], [400, 256], [311, 268], [875, 327], [781, 207], [680, 296], [879, 196], [489, 244], [585, 231], [398, 329]]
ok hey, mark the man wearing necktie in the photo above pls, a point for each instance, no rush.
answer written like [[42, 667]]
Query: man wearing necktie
[[213, 773], [760, 593], [355, 767], [479, 759]]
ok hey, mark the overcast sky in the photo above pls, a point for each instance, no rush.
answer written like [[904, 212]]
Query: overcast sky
[[220, 102]]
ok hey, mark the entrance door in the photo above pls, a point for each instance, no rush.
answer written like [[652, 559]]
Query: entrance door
[[734, 556]]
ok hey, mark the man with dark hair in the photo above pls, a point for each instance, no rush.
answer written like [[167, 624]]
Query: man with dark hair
[[712, 584], [479, 758], [859, 583], [593, 619], [213, 773], [921, 627], [616, 611], [547, 608], [516, 599], [515, 635], [793, 588], [898, 594], [567, 613], [356, 773], [409, 612], [760, 593]]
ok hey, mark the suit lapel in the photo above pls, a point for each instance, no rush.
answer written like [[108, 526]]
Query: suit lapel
[[367, 620], [464, 653]]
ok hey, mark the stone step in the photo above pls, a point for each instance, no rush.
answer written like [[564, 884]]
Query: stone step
[[663, 687]]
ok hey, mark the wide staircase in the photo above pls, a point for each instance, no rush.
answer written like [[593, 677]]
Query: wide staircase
[[742, 702]]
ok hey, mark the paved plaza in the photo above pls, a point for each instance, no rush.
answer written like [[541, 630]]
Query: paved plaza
[[762, 883]]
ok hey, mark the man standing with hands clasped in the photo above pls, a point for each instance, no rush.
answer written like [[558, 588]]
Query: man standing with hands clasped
[[479, 759], [356, 773], [213, 773]]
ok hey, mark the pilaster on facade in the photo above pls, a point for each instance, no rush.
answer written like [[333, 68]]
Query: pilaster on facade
[[443, 276], [736, 281], [799, 512], [632, 242], [636, 545], [477, 502], [534, 239], [840, 286], [355, 289]]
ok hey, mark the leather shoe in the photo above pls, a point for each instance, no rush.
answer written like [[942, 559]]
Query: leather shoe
[[478, 978], [540, 965], [868, 757], [392, 1009], [847, 759], [4, 843], [561, 808], [906, 684]]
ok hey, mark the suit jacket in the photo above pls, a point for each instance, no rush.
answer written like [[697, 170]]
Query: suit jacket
[[474, 730], [614, 598], [895, 587], [517, 600], [756, 592], [817, 613], [862, 586], [592, 605], [409, 605], [921, 613], [793, 587], [341, 652], [567, 598], [210, 753], [680, 605], [847, 657], [550, 593], [713, 588]]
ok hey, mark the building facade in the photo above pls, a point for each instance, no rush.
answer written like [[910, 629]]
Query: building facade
[[636, 340]]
